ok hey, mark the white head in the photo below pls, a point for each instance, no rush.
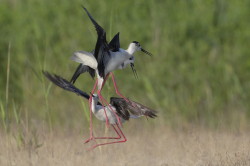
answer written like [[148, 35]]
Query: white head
[[95, 97], [135, 46]]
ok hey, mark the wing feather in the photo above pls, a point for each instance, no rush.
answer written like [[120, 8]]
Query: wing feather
[[85, 58], [134, 108], [82, 69], [66, 85], [114, 44], [101, 48]]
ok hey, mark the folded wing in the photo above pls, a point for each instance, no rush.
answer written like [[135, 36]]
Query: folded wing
[[131, 109]]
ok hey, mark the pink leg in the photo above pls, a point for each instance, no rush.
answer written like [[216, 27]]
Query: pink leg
[[116, 88], [117, 91], [122, 135], [103, 100], [119, 137], [105, 79], [90, 114]]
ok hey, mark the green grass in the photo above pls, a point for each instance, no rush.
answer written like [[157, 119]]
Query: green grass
[[199, 73]]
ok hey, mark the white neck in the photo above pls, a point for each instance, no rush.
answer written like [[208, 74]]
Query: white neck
[[131, 49], [93, 105], [100, 81]]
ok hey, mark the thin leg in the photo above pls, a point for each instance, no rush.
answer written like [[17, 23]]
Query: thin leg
[[122, 135], [117, 91], [90, 113], [102, 101], [119, 137], [116, 88], [105, 79], [102, 98]]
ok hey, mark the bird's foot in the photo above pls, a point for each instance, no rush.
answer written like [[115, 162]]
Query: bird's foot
[[90, 139]]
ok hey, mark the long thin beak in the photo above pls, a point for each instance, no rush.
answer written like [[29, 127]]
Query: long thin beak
[[146, 52]]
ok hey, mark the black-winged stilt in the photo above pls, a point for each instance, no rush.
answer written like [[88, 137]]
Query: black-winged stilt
[[114, 45], [106, 58], [122, 108]]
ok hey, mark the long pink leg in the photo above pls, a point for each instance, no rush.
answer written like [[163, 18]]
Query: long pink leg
[[116, 88], [103, 99], [117, 91], [90, 114], [122, 135], [119, 137], [104, 81]]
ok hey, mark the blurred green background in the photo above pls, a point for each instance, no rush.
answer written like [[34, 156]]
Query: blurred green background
[[199, 73]]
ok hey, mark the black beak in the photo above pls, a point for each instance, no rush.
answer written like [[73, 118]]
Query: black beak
[[134, 71], [146, 52]]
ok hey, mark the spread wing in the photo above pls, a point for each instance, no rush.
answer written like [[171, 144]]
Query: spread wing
[[66, 85], [85, 58], [82, 69], [101, 48], [131, 108], [114, 44]]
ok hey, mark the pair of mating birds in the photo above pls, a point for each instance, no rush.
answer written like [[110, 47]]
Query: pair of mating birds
[[106, 58]]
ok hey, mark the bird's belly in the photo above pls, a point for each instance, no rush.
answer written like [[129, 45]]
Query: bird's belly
[[115, 63], [111, 116]]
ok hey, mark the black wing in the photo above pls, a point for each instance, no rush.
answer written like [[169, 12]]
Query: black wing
[[66, 85], [101, 48], [114, 44], [120, 108], [136, 109], [82, 69]]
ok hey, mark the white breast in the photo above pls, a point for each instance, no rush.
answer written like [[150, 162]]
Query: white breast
[[100, 114], [116, 60]]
